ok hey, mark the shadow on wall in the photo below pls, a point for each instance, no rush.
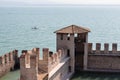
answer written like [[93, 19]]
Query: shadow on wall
[[95, 76]]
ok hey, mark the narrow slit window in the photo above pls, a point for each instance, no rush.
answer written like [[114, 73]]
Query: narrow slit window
[[68, 53], [69, 68], [61, 37], [68, 37], [5, 59]]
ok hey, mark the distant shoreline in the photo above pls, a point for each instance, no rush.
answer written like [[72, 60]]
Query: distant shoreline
[[64, 5]]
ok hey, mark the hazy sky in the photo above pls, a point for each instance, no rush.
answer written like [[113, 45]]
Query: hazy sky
[[33, 2]]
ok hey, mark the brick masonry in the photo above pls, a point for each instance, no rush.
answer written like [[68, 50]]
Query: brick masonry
[[103, 59], [53, 65], [8, 62]]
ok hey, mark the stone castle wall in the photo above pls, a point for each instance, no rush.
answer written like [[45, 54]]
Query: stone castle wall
[[29, 65], [103, 60], [7, 62], [51, 67]]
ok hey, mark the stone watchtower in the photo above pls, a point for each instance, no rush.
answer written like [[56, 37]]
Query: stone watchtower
[[73, 39]]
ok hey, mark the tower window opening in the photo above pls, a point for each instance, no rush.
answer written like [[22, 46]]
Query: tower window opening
[[61, 37], [68, 53], [68, 37], [69, 68], [75, 35], [5, 59]]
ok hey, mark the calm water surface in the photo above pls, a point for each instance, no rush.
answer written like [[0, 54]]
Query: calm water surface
[[96, 76], [11, 75], [16, 24]]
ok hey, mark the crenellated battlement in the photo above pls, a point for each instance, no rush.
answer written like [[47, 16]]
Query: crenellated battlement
[[7, 62], [49, 58], [103, 60], [8, 57], [30, 60], [56, 58], [28, 55], [104, 51]]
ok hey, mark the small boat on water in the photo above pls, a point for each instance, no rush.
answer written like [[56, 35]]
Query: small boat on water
[[34, 28]]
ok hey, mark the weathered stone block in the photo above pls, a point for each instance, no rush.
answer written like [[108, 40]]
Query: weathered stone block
[[106, 48], [114, 48], [98, 48], [90, 48]]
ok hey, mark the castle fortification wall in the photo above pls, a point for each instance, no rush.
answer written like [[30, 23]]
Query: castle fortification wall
[[103, 59], [53, 66], [7, 62], [29, 65]]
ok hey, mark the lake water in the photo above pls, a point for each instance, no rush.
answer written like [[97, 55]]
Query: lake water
[[16, 26], [96, 76]]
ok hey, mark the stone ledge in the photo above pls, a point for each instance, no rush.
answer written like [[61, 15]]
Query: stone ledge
[[103, 54], [58, 67]]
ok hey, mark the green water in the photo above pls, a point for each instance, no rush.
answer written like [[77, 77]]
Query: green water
[[14, 75], [77, 76], [96, 76]]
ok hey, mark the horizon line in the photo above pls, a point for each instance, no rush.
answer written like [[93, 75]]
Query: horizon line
[[59, 5]]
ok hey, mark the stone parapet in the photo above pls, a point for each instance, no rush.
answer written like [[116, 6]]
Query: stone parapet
[[29, 64], [51, 59], [33, 66], [105, 59], [105, 51], [7, 62]]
